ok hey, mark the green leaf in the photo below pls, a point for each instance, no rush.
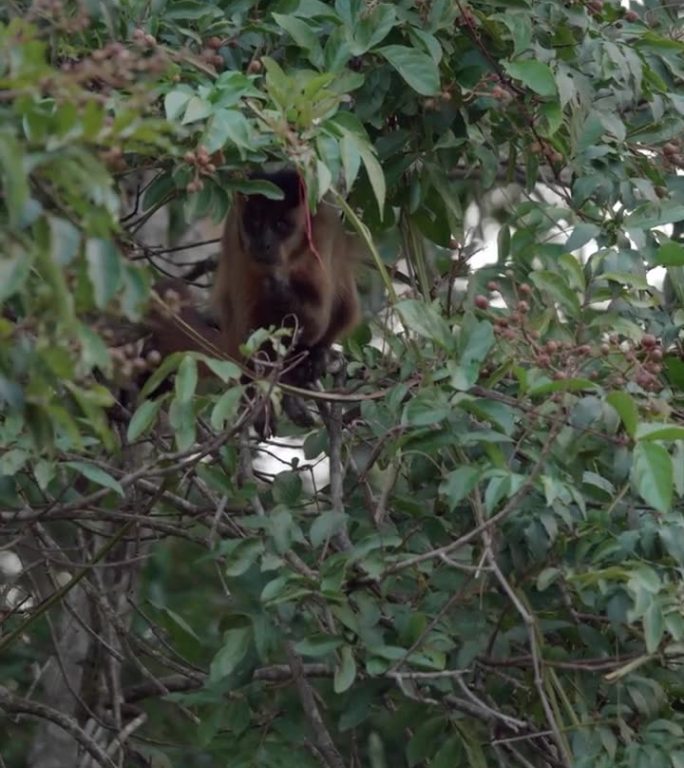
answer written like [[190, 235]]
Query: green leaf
[[175, 102], [376, 175], [186, 379], [563, 385], [13, 461], [654, 215], [243, 556], [627, 410], [283, 529], [65, 240], [536, 75], [15, 179], [355, 144], [143, 419], [169, 364], [227, 126], [425, 740], [226, 408], [345, 670], [287, 488], [234, 86], [196, 109], [652, 475], [372, 29], [678, 462], [159, 189], [104, 269], [326, 525], [425, 320], [547, 577], [520, 27], [655, 431], [182, 420], [236, 643], [96, 475], [557, 288], [426, 408], [283, 589], [15, 267], [177, 619], [630, 279], [318, 645], [458, 484], [553, 115], [670, 254], [474, 342], [674, 370], [417, 68], [303, 35], [654, 626], [224, 369], [351, 158], [581, 235], [449, 754], [349, 11], [256, 187], [503, 242]]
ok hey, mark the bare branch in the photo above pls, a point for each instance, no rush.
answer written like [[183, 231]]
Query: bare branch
[[16, 705], [324, 743]]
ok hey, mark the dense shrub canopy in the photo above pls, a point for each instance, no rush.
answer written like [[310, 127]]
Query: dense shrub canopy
[[488, 569]]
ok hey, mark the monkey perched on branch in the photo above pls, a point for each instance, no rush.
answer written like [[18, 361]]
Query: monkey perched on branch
[[279, 265]]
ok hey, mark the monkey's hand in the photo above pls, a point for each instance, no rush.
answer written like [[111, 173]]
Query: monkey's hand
[[311, 368], [297, 412]]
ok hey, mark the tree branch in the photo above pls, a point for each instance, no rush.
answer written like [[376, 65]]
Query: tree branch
[[16, 705]]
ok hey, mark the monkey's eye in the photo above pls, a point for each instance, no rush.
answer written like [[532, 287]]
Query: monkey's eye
[[282, 226]]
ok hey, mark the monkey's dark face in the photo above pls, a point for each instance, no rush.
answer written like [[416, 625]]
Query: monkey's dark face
[[273, 229]]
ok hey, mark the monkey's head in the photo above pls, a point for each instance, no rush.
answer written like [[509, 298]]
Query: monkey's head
[[273, 229]]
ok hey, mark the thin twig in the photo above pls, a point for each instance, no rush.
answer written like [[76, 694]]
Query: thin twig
[[332, 418], [118, 741], [324, 743], [532, 631], [511, 505], [16, 705]]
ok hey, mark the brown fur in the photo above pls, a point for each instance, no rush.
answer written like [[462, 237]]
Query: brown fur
[[321, 290], [178, 326], [286, 282]]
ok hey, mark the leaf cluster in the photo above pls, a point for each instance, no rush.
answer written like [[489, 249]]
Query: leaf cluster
[[476, 557]]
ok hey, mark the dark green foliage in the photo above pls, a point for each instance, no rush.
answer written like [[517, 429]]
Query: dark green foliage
[[493, 575]]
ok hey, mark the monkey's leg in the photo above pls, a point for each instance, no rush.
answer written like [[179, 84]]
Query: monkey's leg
[[311, 368], [304, 376], [296, 411]]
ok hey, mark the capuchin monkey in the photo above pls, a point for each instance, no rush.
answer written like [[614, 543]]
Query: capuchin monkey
[[280, 265]]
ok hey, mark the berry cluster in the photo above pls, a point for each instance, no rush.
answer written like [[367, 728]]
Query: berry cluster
[[58, 16], [210, 53], [129, 362], [672, 154], [615, 361], [143, 39], [203, 165], [644, 361], [115, 66]]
